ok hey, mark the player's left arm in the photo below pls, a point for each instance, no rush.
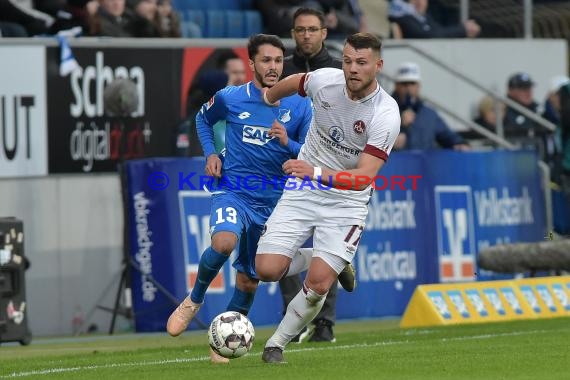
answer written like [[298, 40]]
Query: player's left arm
[[359, 178], [380, 141], [303, 129]]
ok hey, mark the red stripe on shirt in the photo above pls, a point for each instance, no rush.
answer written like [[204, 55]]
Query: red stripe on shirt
[[301, 89], [372, 150]]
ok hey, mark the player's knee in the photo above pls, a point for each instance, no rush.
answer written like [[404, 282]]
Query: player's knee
[[313, 296], [268, 270], [269, 274], [224, 242], [246, 283], [318, 287]]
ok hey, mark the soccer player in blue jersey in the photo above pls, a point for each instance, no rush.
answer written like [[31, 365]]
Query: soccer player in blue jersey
[[259, 139]]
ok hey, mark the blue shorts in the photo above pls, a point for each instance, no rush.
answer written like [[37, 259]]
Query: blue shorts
[[231, 213]]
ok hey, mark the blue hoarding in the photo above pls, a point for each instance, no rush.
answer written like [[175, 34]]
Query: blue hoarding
[[426, 225]]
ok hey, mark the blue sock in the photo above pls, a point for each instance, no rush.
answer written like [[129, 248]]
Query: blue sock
[[241, 301], [210, 264]]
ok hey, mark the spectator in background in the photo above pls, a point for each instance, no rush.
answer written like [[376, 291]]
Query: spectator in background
[[552, 102], [309, 32], [342, 17], [487, 116], [229, 71], [234, 69], [112, 19], [519, 128], [77, 13], [230, 63], [422, 127], [520, 89], [168, 20], [278, 14], [145, 14], [17, 16], [415, 22], [552, 112], [12, 29], [564, 96]]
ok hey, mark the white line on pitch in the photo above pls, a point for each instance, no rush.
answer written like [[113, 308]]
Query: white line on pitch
[[51, 371]]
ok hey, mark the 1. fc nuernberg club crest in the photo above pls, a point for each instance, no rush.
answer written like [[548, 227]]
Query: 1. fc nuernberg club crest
[[359, 127]]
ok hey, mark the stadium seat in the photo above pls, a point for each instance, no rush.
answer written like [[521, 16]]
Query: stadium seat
[[215, 24], [208, 5], [197, 17], [229, 5], [234, 24], [183, 5], [185, 29], [246, 4], [253, 23]]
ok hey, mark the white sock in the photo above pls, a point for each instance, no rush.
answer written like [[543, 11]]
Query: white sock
[[301, 310], [300, 262]]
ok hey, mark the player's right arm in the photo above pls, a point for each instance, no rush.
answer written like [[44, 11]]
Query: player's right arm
[[210, 113], [305, 84], [283, 88]]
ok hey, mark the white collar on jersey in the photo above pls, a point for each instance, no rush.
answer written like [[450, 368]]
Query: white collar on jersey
[[367, 97]]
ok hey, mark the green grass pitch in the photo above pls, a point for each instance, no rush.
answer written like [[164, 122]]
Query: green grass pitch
[[368, 349]]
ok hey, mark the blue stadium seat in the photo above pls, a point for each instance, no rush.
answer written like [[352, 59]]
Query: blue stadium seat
[[183, 5], [207, 5], [253, 24], [215, 24], [197, 17], [246, 4], [235, 21], [188, 30], [228, 5]]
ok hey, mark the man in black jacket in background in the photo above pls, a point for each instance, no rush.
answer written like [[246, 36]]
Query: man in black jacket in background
[[415, 21], [310, 54], [309, 33]]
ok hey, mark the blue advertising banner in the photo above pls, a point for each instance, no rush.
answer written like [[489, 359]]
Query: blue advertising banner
[[395, 253], [431, 214], [483, 199], [169, 229]]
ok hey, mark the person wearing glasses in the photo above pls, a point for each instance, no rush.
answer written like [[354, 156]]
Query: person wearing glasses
[[309, 33]]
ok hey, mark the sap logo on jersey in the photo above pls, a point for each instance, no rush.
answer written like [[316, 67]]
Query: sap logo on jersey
[[256, 135], [455, 234]]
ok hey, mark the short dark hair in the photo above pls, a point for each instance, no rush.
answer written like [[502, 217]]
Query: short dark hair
[[224, 57], [257, 40], [309, 12], [365, 41]]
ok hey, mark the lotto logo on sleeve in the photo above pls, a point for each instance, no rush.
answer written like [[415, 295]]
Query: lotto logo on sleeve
[[440, 304], [455, 233]]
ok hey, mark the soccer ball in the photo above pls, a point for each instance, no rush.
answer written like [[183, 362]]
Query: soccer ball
[[231, 334]]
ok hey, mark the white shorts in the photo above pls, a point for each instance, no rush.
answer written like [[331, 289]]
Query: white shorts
[[336, 229]]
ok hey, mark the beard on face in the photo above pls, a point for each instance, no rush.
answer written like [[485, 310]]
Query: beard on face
[[361, 85], [264, 81]]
